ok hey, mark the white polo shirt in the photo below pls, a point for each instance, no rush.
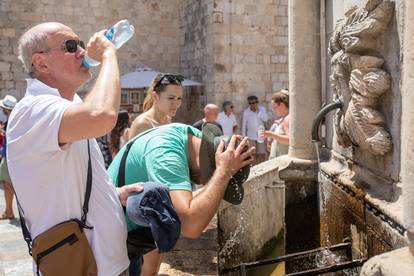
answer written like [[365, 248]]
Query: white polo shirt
[[252, 120], [50, 181], [227, 123]]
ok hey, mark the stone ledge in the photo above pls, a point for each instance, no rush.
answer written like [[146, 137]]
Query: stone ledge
[[292, 169], [246, 228], [398, 262]]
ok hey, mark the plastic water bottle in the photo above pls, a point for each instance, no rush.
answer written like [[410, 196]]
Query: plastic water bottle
[[118, 34], [260, 131]]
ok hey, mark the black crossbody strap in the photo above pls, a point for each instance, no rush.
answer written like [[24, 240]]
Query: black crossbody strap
[[85, 207], [121, 170], [25, 230]]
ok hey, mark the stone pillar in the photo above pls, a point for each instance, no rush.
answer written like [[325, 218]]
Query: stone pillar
[[407, 124], [300, 169], [304, 74]]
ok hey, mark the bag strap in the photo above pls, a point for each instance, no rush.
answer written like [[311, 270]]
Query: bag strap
[[121, 170], [85, 208], [88, 190], [25, 231]]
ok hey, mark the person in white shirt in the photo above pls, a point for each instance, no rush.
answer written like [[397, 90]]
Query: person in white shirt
[[227, 120], [48, 135], [253, 117]]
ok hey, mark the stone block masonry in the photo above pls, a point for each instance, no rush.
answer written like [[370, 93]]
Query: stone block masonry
[[233, 47]]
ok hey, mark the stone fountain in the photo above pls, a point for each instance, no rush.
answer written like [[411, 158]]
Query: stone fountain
[[359, 54]]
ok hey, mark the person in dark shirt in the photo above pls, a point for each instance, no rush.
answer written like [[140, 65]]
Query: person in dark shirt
[[210, 115]]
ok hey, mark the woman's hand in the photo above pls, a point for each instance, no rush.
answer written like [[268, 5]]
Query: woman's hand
[[266, 134]]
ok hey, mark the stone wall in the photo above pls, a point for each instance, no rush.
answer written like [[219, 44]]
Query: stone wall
[[247, 231], [250, 50], [155, 43], [236, 48], [196, 59]]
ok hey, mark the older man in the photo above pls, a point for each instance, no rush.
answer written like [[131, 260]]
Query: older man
[[227, 119], [210, 115], [49, 135]]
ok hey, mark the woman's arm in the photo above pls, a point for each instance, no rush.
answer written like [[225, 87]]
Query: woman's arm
[[281, 138]]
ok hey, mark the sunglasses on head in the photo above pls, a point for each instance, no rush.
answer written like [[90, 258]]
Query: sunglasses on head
[[167, 79]]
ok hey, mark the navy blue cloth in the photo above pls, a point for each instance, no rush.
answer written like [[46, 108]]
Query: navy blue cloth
[[106, 153], [152, 209], [4, 148]]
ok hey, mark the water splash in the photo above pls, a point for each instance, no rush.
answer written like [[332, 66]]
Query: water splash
[[228, 250], [327, 258], [234, 238]]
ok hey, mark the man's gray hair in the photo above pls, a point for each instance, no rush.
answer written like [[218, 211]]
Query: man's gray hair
[[226, 103], [35, 40]]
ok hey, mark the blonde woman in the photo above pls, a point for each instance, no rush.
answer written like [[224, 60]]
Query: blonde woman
[[163, 99], [279, 132]]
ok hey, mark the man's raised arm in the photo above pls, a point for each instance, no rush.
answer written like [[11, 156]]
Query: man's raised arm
[[97, 115]]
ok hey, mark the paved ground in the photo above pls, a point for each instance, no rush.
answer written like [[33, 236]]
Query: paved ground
[[188, 257], [191, 257], [14, 259]]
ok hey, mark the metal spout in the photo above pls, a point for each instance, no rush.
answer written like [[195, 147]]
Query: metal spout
[[319, 117]]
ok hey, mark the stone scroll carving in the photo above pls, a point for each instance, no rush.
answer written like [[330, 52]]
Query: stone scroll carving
[[357, 77]]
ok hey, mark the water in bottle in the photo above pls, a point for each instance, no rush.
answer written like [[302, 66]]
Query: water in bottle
[[260, 131], [118, 34]]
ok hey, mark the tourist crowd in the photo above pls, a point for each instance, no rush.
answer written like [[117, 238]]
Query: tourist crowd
[[120, 193]]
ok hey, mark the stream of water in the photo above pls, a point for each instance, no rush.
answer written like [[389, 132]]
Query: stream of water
[[320, 259]]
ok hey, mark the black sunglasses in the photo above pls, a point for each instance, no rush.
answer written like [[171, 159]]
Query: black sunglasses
[[69, 46], [167, 79], [253, 102]]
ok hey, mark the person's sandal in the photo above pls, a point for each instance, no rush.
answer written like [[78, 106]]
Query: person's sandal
[[4, 216]]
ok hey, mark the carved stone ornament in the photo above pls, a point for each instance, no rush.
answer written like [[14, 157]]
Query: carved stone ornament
[[357, 77]]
